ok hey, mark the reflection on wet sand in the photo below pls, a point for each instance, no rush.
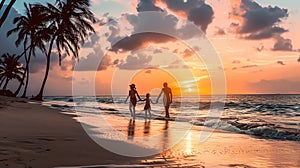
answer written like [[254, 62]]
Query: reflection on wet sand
[[147, 127], [131, 127], [165, 137]]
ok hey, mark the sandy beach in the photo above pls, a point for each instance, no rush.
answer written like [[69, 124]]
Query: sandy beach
[[33, 135], [37, 136]]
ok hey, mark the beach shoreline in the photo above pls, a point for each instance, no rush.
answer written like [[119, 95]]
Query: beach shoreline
[[33, 135]]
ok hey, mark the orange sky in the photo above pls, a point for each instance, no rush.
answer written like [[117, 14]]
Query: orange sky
[[250, 66], [244, 66]]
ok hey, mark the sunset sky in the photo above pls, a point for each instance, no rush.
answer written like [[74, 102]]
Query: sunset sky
[[257, 44]]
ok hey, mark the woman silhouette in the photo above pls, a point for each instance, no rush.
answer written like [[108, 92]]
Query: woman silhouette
[[133, 100]]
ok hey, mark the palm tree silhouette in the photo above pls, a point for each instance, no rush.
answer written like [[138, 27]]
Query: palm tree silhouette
[[69, 23], [29, 28], [10, 68], [6, 11]]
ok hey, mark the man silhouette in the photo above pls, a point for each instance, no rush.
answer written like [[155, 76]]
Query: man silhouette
[[167, 100]]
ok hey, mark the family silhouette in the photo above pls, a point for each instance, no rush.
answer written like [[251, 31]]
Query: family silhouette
[[133, 95]]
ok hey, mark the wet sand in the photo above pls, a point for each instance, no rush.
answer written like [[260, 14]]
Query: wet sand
[[32, 135], [35, 136]]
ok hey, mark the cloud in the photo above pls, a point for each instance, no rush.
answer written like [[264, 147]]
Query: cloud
[[137, 41], [93, 39], [90, 63], [245, 67], [236, 61], [220, 31], [135, 62], [259, 18], [266, 33], [275, 86], [196, 11], [280, 62], [158, 27], [201, 16], [257, 22], [187, 53], [298, 59], [283, 44], [147, 5], [249, 66]]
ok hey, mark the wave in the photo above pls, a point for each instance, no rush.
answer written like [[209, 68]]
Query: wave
[[59, 106], [253, 115], [258, 128]]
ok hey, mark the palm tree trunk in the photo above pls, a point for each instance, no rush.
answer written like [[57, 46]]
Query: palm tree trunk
[[20, 85], [1, 4], [27, 76], [24, 74], [5, 85], [6, 12], [39, 97]]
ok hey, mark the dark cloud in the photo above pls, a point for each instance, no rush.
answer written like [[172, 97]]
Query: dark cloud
[[201, 16], [280, 63], [145, 25], [135, 62], [258, 22], [196, 11], [140, 40], [180, 5], [275, 86], [298, 59], [266, 33], [258, 18], [283, 44], [147, 5]]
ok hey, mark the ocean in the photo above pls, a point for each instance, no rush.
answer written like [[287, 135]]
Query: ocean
[[274, 117]]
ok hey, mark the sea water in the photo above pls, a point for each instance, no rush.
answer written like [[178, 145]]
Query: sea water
[[260, 116]]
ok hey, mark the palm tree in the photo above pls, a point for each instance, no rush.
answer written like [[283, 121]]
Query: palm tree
[[2, 3], [29, 28], [6, 11], [70, 23], [10, 68]]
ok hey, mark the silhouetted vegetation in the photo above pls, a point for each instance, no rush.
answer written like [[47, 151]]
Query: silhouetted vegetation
[[6, 11], [64, 25], [10, 68]]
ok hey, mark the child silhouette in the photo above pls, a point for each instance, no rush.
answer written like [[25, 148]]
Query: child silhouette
[[147, 106]]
